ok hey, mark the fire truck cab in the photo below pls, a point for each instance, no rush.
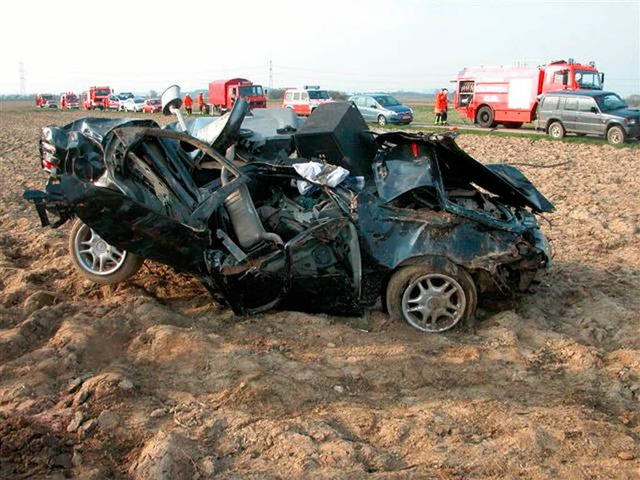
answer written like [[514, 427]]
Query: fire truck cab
[[95, 97], [509, 95]]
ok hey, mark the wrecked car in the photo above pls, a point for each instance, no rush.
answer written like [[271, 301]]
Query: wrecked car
[[259, 208]]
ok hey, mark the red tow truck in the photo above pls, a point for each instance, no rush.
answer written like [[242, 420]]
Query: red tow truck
[[223, 94], [69, 101], [508, 95], [95, 97]]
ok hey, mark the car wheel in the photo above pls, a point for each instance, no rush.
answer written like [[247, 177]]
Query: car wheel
[[616, 135], [382, 120], [97, 260], [556, 130], [484, 117], [431, 297]]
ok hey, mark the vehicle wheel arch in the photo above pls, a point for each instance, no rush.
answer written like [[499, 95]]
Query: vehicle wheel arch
[[439, 261], [479, 110], [549, 122], [615, 125], [447, 276]]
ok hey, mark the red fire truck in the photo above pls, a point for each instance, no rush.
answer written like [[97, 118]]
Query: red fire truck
[[94, 97], [509, 95], [69, 100], [223, 93], [45, 100]]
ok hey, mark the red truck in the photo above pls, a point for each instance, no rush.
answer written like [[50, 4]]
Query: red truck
[[509, 95], [223, 93], [46, 100], [69, 100], [94, 97]]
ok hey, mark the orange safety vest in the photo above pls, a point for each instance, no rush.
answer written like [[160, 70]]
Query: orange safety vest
[[441, 102], [200, 100], [188, 102]]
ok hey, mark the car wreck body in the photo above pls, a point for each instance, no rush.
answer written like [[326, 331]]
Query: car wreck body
[[426, 229]]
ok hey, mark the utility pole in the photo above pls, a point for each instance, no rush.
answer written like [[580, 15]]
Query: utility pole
[[23, 80], [270, 75]]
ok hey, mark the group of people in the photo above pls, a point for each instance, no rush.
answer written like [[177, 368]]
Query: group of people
[[441, 106], [188, 103]]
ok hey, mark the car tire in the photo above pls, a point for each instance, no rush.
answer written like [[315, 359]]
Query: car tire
[[556, 130], [382, 120], [616, 135], [433, 297], [98, 261], [484, 117]]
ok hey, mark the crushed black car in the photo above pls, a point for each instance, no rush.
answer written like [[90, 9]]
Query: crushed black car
[[321, 216]]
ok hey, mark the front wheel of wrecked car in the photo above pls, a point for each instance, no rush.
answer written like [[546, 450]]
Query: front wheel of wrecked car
[[432, 298], [382, 120], [97, 260]]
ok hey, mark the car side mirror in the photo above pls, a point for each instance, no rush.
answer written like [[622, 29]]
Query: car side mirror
[[171, 103], [372, 106], [593, 110]]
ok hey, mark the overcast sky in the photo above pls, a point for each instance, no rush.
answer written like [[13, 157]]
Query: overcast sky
[[347, 45]]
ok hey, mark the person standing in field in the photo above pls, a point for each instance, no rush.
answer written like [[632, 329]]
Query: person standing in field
[[440, 107], [188, 104], [200, 102]]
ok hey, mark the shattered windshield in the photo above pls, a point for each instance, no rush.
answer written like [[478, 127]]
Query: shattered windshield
[[610, 102], [251, 91], [588, 80], [387, 101], [319, 95]]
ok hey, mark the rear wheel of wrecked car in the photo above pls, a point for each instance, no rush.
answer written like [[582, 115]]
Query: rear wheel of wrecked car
[[484, 118], [616, 135], [432, 298], [556, 130], [97, 260], [382, 120]]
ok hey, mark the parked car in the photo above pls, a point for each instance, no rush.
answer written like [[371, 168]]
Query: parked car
[[427, 227], [133, 104], [125, 95], [152, 105], [305, 100], [588, 112], [115, 103], [382, 108]]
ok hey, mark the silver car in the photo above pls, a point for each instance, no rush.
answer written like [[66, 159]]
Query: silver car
[[382, 108]]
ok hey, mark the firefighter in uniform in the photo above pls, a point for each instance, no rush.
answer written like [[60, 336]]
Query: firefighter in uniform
[[440, 107], [188, 104], [201, 102]]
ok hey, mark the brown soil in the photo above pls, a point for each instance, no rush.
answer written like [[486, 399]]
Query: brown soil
[[153, 380]]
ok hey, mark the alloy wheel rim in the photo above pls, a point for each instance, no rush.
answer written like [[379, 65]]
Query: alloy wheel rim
[[95, 255], [434, 303]]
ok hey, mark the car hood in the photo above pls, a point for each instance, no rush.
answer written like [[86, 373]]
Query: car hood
[[398, 109], [454, 165], [625, 112]]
